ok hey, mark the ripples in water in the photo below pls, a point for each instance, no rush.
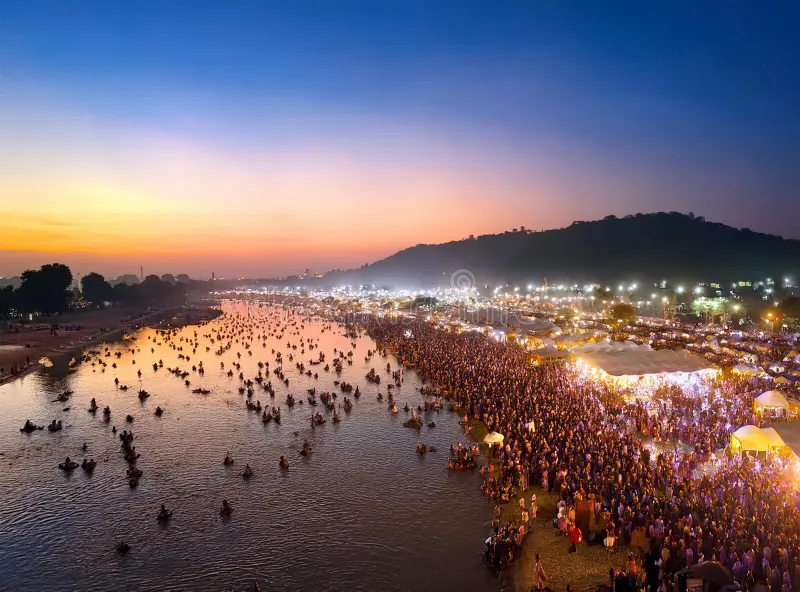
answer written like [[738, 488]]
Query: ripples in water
[[364, 512]]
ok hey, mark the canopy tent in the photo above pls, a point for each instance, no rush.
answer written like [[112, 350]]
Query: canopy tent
[[549, 354], [771, 401], [627, 363], [744, 369], [751, 438], [493, 438], [572, 339], [493, 316]]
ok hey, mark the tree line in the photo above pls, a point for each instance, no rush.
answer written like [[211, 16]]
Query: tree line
[[47, 291]]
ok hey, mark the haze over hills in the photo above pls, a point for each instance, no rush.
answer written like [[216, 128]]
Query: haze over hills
[[642, 246]]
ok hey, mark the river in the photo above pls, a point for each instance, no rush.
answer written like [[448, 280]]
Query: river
[[364, 512]]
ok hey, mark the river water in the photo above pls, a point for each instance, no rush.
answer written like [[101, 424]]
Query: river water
[[363, 512]]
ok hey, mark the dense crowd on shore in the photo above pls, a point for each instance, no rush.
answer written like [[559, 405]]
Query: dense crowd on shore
[[581, 440]]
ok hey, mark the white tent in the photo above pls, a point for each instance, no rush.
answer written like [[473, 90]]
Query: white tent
[[630, 364], [772, 400], [493, 438], [750, 438]]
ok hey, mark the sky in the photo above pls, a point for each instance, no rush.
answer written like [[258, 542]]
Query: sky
[[263, 138]]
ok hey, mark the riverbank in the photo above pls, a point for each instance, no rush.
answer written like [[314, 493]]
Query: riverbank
[[22, 346], [583, 571]]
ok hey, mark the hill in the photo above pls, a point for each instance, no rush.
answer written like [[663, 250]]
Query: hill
[[642, 247]]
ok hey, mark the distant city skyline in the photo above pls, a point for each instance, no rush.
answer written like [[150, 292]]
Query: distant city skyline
[[264, 138]]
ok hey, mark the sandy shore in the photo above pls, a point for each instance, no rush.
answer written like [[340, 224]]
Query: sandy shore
[[23, 347]]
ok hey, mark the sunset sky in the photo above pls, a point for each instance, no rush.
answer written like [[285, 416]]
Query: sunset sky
[[262, 138]]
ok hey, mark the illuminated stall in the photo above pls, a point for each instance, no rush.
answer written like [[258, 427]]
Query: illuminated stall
[[628, 364]]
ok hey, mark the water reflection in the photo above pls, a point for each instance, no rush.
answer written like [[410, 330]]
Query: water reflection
[[363, 512]]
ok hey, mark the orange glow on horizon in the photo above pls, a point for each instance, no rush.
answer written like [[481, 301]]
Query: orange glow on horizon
[[107, 195]]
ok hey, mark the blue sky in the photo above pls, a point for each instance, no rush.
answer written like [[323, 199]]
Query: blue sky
[[513, 113]]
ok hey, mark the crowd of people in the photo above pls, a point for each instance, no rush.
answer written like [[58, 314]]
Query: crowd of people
[[586, 445], [15, 369], [462, 457]]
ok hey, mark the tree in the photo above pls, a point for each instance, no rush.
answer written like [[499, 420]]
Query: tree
[[712, 306], [122, 292], [7, 301], [96, 289], [790, 309], [621, 314], [45, 290], [153, 288]]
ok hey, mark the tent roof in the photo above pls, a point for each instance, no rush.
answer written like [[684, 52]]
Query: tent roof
[[550, 353], [774, 437], [573, 337], [773, 399], [626, 359], [511, 319], [752, 438]]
